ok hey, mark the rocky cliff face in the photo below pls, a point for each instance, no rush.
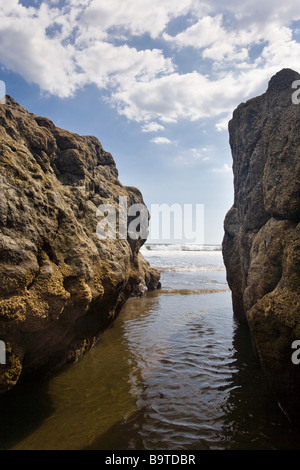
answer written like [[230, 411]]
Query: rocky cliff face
[[261, 246], [60, 286]]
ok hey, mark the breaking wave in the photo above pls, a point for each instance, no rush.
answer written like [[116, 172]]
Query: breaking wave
[[179, 247]]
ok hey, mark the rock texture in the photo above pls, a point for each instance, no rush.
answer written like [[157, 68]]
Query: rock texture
[[261, 246], [60, 286]]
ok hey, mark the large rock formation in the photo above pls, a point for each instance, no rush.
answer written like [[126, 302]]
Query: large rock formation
[[60, 285], [261, 246]]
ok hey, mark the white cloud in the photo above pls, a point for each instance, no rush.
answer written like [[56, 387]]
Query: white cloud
[[201, 154], [193, 156], [224, 169], [133, 16], [223, 44], [104, 64], [201, 34], [152, 127], [191, 95], [222, 125], [161, 140], [26, 49], [62, 48]]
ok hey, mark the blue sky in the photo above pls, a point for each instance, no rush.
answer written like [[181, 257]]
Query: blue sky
[[155, 80]]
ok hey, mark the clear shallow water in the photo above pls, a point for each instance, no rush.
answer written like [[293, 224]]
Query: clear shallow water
[[173, 372]]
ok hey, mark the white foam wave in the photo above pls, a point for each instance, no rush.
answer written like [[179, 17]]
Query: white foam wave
[[190, 269], [179, 247]]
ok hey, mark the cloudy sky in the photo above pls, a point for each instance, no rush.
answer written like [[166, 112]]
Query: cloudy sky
[[155, 80]]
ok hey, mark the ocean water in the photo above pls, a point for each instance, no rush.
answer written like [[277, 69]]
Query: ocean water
[[192, 267], [174, 372]]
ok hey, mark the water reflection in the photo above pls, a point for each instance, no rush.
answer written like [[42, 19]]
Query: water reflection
[[252, 417], [174, 372], [210, 395], [22, 412]]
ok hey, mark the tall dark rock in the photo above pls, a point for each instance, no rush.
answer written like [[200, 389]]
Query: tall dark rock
[[60, 286], [261, 245]]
